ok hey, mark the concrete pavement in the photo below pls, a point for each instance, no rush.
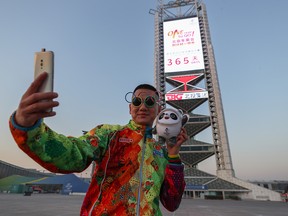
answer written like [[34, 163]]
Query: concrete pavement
[[64, 205]]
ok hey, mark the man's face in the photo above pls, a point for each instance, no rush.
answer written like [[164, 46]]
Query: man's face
[[142, 114]]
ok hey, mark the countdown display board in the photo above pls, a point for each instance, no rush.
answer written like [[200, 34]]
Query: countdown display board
[[182, 45]]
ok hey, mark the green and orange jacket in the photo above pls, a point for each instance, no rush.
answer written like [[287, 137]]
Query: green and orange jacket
[[125, 157]]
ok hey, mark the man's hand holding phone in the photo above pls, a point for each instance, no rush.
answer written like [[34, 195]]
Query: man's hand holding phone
[[34, 104], [37, 102]]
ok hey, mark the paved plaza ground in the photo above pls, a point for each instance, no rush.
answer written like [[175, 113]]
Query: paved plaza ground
[[64, 205]]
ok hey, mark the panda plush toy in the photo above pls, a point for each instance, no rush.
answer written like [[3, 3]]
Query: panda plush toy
[[167, 125]]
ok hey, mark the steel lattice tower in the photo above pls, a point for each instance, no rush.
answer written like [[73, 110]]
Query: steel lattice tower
[[193, 151]]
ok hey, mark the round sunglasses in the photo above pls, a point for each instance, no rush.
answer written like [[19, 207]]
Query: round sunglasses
[[149, 101]]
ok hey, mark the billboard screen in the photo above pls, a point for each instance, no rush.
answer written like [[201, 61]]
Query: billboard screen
[[171, 96], [182, 45]]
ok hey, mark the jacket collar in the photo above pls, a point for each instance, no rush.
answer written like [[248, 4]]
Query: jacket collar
[[134, 126]]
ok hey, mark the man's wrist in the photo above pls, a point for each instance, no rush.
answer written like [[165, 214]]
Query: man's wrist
[[19, 127]]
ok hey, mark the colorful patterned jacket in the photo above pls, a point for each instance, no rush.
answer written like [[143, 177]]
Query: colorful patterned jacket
[[120, 167]]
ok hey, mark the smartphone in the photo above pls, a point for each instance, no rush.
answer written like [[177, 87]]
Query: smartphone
[[44, 62]]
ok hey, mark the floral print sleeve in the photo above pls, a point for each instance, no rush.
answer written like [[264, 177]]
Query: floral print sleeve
[[58, 153], [173, 186]]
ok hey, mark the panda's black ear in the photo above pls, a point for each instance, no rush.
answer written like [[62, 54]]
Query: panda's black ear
[[181, 111]]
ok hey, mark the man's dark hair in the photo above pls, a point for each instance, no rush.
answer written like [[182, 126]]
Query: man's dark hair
[[146, 86]]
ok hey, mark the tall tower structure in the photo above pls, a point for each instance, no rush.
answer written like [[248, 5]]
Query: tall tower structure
[[185, 75], [184, 60]]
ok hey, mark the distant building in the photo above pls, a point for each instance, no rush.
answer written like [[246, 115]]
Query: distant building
[[278, 186]]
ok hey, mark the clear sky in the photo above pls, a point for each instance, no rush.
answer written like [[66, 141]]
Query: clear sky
[[103, 49]]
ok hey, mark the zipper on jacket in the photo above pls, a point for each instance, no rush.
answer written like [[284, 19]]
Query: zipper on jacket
[[146, 135]]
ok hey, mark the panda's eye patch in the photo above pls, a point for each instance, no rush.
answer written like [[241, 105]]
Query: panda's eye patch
[[173, 116], [161, 116]]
